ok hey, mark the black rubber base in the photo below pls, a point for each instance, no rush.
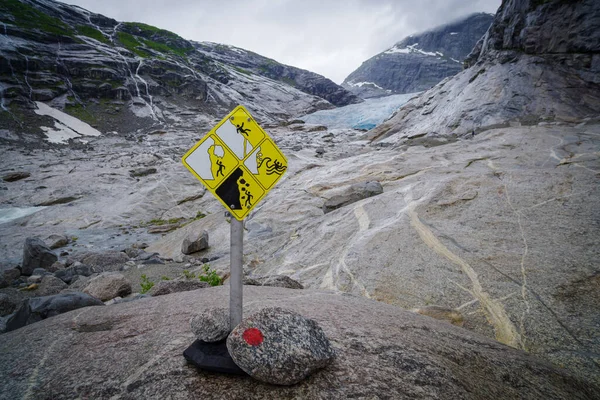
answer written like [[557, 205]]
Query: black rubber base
[[212, 357]]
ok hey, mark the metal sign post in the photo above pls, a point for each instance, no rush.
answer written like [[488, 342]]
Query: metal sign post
[[235, 281]]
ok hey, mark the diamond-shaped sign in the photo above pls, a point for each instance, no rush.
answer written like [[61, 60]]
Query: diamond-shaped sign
[[237, 162]]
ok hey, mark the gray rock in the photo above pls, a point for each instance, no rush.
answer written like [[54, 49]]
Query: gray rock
[[34, 279], [107, 261], [36, 255], [3, 282], [132, 297], [38, 308], [79, 282], [379, 347], [320, 151], [41, 272], [57, 241], [69, 274], [108, 285], [10, 299], [50, 285], [142, 171], [11, 274], [195, 242], [279, 346], [56, 266], [15, 176], [168, 287], [352, 194], [211, 325], [283, 281]]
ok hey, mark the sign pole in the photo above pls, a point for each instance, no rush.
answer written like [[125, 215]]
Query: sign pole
[[236, 265]]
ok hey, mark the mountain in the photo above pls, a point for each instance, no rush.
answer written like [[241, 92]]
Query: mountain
[[539, 62], [126, 75], [420, 61]]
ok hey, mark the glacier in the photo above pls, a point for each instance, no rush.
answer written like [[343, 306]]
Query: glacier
[[365, 115]]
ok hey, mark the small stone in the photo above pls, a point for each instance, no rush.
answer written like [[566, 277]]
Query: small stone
[[36, 255], [195, 242], [320, 151], [56, 267], [41, 272], [34, 279], [108, 285], [279, 346], [167, 287], [211, 325], [50, 285], [274, 280], [57, 241]]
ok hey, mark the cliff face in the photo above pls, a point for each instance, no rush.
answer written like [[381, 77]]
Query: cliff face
[[125, 76], [539, 61], [419, 61]]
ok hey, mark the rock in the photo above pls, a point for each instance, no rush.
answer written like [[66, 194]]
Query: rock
[[36, 255], [451, 315], [195, 242], [132, 297], [139, 172], [10, 300], [38, 308], [3, 282], [273, 280], [50, 285], [15, 176], [108, 285], [211, 325], [377, 346], [57, 201], [168, 287], [77, 268], [34, 279], [79, 282], [11, 274], [57, 241], [107, 261], [354, 193], [279, 346], [41, 272], [320, 151], [56, 267], [163, 228]]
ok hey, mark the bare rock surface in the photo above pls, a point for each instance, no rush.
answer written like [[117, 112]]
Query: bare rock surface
[[352, 194], [380, 349], [279, 346], [211, 325], [108, 285], [50, 285]]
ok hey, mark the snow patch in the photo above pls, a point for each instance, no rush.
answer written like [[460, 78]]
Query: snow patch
[[361, 84], [65, 126], [412, 49], [454, 33], [455, 60]]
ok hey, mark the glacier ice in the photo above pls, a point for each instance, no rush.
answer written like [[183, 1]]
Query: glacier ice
[[365, 115]]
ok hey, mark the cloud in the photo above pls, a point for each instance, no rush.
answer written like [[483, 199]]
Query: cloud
[[330, 37]]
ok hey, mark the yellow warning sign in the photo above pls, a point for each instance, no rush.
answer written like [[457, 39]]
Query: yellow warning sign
[[237, 162]]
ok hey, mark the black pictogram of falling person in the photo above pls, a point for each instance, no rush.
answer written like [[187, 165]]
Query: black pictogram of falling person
[[241, 129]]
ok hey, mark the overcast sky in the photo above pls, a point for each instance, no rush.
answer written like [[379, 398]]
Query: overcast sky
[[330, 37]]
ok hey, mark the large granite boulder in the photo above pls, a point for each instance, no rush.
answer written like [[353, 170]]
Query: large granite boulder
[[279, 346], [108, 285], [36, 255], [134, 350]]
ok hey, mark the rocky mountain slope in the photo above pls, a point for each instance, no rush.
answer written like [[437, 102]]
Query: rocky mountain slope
[[420, 61], [540, 61], [121, 76]]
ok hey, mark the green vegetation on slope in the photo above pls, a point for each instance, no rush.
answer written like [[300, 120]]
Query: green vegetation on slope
[[92, 33], [28, 17]]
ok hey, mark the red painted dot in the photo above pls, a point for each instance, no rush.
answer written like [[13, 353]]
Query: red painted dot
[[253, 336]]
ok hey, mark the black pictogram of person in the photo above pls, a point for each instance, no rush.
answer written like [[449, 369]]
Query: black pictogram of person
[[221, 168], [241, 129], [248, 196]]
